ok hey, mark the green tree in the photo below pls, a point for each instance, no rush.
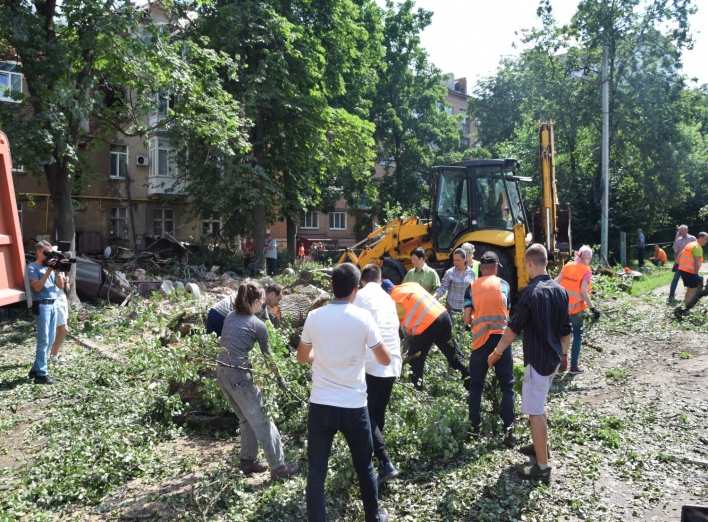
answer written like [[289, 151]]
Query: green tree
[[412, 128], [304, 68], [105, 63], [650, 158]]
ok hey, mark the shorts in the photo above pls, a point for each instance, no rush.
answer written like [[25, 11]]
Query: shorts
[[534, 391], [689, 280], [61, 305]]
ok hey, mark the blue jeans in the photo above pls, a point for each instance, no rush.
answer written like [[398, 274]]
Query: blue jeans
[[323, 423], [576, 321], [215, 322], [504, 370], [674, 284], [46, 331]]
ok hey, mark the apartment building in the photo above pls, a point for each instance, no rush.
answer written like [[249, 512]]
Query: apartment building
[[131, 200]]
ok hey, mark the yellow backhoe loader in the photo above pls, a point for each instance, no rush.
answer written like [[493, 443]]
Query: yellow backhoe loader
[[475, 201]]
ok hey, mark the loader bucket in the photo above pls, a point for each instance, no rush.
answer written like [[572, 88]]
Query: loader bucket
[[12, 252]]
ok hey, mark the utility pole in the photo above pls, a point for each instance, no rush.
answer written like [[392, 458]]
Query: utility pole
[[604, 223]]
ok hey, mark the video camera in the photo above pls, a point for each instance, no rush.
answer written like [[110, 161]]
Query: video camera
[[64, 260]]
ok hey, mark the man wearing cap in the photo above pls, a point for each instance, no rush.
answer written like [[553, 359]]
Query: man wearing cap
[[488, 298], [271, 255]]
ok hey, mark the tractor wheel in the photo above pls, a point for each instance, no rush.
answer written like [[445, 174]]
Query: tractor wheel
[[507, 271], [393, 270]]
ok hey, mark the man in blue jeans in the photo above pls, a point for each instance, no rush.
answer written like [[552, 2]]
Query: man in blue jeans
[[488, 298], [43, 282], [336, 339]]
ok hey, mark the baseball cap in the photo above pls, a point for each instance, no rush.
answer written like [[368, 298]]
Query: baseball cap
[[489, 258], [387, 285]]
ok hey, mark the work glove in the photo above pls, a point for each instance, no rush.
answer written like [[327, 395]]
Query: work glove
[[596, 314], [281, 382]]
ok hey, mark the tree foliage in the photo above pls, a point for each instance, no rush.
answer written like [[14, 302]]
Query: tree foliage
[[655, 124], [413, 131], [94, 68]]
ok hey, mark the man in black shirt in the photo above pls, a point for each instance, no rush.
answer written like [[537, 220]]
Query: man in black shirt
[[542, 314]]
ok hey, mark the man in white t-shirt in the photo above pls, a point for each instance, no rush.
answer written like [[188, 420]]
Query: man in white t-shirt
[[380, 378], [336, 339]]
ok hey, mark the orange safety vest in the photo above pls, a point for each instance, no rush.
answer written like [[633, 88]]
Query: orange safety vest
[[491, 316], [421, 308], [686, 261], [573, 274]]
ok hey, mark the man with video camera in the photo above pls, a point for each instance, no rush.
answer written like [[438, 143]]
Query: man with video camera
[[44, 279]]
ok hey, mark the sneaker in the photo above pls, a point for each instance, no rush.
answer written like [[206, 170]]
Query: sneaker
[[528, 449], [383, 515], [386, 473], [575, 370], [56, 359], [32, 374], [44, 379], [284, 471], [532, 471], [253, 466]]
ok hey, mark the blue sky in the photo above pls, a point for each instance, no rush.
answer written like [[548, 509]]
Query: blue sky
[[468, 37]]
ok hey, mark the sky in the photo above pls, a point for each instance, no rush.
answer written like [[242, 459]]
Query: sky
[[468, 37]]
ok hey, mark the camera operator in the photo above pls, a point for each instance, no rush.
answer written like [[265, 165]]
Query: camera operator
[[61, 305], [44, 281]]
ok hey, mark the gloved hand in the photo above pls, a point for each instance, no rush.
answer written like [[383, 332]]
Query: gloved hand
[[281, 382], [596, 314]]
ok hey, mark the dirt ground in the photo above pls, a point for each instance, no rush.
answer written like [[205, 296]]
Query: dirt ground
[[646, 370]]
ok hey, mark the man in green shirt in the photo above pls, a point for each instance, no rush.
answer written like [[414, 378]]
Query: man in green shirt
[[422, 273]]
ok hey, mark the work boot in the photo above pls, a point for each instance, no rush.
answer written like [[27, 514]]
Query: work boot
[[252, 466], [510, 439], [284, 471], [383, 515], [44, 379], [532, 471]]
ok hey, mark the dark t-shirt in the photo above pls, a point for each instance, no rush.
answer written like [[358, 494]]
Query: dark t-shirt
[[542, 314]]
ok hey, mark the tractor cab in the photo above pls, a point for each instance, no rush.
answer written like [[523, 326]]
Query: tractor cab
[[475, 195]]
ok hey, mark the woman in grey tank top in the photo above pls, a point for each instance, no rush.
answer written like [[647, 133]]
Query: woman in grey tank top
[[242, 329]]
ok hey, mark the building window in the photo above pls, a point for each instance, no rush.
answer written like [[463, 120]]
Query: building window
[[163, 221], [310, 219], [211, 226], [119, 222], [18, 168], [465, 125], [162, 160], [119, 161], [465, 142], [10, 82], [337, 220]]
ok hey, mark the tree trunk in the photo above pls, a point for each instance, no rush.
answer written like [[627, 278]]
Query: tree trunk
[[292, 230], [60, 186]]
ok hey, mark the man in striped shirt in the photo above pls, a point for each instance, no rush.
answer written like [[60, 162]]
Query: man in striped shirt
[[542, 314]]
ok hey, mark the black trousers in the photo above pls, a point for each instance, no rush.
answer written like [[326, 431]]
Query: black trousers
[[440, 334], [378, 391], [640, 256]]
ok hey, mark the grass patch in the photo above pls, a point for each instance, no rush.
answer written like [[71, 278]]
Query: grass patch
[[659, 277]]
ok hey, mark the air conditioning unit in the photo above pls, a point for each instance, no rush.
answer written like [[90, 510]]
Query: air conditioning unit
[[141, 160]]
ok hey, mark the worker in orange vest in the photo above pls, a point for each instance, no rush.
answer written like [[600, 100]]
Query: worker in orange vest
[[301, 253], [689, 263], [488, 298], [424, 318], [575, 278]]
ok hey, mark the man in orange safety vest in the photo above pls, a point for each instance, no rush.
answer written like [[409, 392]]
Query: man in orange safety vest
[[689, 263]]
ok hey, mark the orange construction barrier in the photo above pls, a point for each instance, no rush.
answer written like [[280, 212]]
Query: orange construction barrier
[[12, 252]]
